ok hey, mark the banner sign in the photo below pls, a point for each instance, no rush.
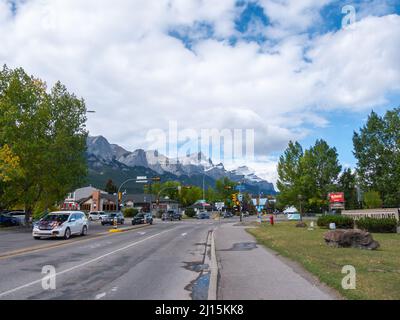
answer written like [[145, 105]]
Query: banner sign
[[294, 216], [336, 197]]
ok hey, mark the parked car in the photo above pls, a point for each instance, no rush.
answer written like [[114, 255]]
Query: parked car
[[142, 218], [96, 215], [7, 220], [61, 224], [203, 215], [171, 215], [227, 214], [109, 219]]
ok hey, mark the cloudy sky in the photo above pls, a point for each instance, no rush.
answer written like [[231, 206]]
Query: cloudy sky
[[287, 69]]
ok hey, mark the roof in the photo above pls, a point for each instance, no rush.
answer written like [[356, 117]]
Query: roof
[[135, 198]]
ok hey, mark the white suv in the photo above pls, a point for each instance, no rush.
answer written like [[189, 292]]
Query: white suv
[[61, 224], [96, 215]]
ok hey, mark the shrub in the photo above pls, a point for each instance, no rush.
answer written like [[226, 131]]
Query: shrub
[[342, 222], [386, 225], [190, 212], [130, 212], [372, 200]]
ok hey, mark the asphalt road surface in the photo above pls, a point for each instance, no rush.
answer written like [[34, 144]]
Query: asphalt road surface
[[20, 238], [163, 261], [166, 261]]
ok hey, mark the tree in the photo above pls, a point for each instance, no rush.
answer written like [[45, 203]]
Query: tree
[[48, 135], [225, 188], [305, 178], [111, 188], [9, 171], [377, 150], [9, 164], [320, 170], [347, 185], [372, 200], [289, 175], [189, 195]]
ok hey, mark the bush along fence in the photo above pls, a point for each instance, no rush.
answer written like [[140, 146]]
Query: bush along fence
[[376, 225], [341, 222], [386, 225]]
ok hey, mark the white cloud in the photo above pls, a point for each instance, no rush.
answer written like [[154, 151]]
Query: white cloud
[[120, 58]]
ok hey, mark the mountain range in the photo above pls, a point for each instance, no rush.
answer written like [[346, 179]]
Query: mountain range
[[110, 161]]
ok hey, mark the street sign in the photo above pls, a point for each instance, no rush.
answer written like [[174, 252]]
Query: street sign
[[336, 197], [240, 197], [141, 178], [240, 188], [219, 205]]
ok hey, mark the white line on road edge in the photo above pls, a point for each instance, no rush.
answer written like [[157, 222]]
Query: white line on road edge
[[184, 234], [85, 263], [212, 288]]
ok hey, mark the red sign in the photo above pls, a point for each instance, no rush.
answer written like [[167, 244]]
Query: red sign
[[336, 197]]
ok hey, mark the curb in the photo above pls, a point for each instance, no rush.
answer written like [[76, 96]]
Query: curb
[[213, 287]]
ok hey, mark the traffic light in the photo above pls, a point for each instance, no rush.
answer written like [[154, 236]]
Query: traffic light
[[234, 198], [119, 196]]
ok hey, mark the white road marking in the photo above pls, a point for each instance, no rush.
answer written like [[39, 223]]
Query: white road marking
[[85, 263], [184, 234], [101, 295], [142, 233], [114, 289]]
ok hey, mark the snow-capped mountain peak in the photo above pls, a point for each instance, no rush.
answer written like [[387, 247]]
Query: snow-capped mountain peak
[[190, 165]]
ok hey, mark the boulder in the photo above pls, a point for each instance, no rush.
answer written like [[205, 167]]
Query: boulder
[[355, 238]]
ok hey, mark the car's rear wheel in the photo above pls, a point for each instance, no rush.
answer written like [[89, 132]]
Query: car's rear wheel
[[67, 234], [84, 231]]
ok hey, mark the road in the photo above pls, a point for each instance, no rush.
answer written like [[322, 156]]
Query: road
[[162, 261], [165, 261]]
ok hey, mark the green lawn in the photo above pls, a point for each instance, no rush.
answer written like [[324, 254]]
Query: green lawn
[[378, 272]]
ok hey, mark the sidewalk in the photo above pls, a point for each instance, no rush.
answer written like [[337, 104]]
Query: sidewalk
[[250, 272]]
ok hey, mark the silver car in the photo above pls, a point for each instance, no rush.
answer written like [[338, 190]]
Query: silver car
[[61, 224]]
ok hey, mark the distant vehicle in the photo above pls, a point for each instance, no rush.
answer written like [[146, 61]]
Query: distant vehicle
[[7, 220], [96, 215], [109, 219], [142, 218], [61, 224], [203, 215], [228, 215], [171, 215], [18, 213]]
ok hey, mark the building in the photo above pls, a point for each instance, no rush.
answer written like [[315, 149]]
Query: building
[[74, 200], [265, 203], [92, 199]]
